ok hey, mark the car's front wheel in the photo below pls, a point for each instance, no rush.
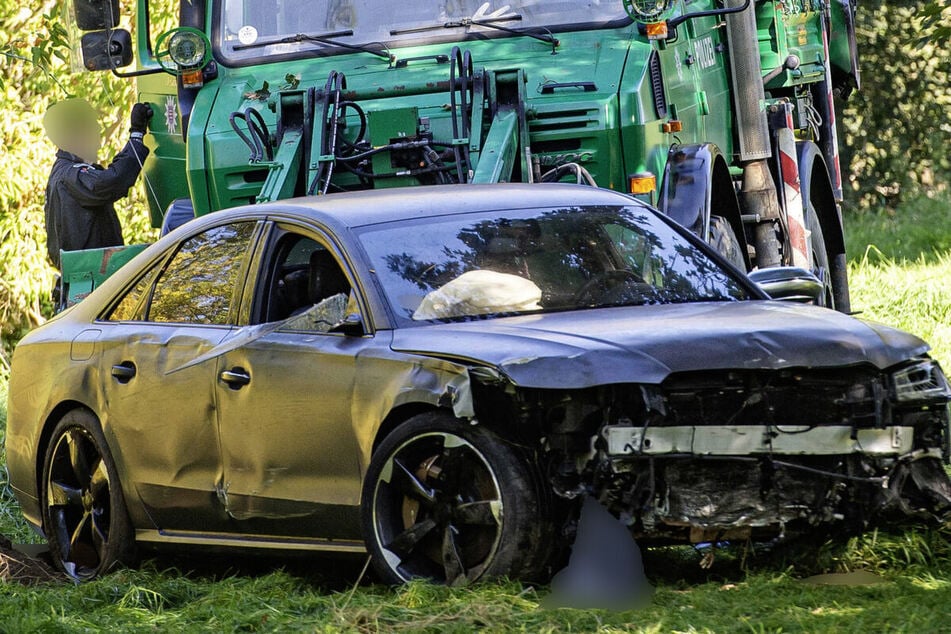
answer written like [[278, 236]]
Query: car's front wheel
[[451, 502], [84, 514]]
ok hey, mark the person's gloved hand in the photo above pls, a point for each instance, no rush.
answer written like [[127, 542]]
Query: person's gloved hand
[[141, 113]]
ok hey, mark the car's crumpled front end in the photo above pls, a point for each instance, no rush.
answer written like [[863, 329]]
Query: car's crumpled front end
[[706, 456], [694, 423]]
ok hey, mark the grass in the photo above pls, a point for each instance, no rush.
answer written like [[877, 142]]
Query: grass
[[900, 267], [901, 280]]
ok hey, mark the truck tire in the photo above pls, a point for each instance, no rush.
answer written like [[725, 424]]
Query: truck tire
[[820, 256], [724, 240]]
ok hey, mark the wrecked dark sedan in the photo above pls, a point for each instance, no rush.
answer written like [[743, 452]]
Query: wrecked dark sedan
[[440, 376]]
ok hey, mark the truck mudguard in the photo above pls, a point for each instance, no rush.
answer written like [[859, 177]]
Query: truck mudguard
[[696, 186], [815, 187]]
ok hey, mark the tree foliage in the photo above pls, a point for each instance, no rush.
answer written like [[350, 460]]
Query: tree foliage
[[936, 22], [34, 72], [896, 129]]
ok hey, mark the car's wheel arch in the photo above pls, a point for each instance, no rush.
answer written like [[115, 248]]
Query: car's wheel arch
[[46, 435], [399, 415]]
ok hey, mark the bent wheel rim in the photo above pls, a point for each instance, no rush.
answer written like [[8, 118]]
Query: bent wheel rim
[[78, 502], [437, 510]]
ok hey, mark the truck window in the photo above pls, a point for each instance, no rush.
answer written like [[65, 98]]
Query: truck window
[[241, 23]]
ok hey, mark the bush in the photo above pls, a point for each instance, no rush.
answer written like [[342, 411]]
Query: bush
[[33, 74], [896, 131]]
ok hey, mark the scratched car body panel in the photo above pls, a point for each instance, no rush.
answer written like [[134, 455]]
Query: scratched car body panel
[[440, 377]]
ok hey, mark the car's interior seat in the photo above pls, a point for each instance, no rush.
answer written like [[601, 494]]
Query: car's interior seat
[[326, 278]]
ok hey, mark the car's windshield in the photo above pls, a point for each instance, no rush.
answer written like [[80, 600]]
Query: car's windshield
[[244, 27], [479, 265]]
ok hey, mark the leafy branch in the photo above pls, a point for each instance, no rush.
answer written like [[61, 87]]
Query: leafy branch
[[52, 42]]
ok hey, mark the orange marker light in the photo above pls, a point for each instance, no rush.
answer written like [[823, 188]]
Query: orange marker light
[[641, 183], [674, 125], [656, 30], [192, 79]]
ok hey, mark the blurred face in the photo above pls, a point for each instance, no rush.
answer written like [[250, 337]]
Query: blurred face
[[74, 127], [85, 142]]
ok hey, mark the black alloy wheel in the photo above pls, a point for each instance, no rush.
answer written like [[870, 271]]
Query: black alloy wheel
[[451, 502], [84, 513]]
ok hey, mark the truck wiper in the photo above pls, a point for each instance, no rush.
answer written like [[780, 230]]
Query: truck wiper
[[320, 38], [492, 23]]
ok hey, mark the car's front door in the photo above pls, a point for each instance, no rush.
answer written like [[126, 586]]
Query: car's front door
[[288, 444]]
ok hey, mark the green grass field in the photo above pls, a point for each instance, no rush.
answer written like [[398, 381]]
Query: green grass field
[[901, 280]]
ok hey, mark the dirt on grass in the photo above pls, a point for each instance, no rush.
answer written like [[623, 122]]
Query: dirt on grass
[[17, 567]]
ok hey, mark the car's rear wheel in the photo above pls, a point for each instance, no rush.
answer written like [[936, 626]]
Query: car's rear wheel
[[451, 502], [84, 514]]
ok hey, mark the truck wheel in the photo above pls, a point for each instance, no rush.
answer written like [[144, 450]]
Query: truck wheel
[[724, 240], [84, 512], [451, 502], [820, 257]]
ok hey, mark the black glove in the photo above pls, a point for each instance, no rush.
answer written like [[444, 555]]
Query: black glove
[[141, 113]]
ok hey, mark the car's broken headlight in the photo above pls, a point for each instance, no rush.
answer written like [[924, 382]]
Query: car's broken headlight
[[922, 380]]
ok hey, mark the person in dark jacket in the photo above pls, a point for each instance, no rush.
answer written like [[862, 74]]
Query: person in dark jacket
[[80, 193]]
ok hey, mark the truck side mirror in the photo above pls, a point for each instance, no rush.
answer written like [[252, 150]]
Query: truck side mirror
[[106, 50], [789, 283], [96, 15]]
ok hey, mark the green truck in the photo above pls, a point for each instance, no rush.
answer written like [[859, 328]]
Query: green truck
[[719, 112]]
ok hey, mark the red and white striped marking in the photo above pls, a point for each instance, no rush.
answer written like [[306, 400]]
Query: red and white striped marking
[[792, 193]]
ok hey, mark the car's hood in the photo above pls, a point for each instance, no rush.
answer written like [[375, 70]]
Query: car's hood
[[647, 343]]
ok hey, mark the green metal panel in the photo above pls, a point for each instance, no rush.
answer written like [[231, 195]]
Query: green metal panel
[[391, 126], [499, 152], [84, 270], [164, 170]]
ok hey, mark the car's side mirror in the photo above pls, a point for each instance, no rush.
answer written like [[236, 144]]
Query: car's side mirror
[[351, 325], [789, 283]]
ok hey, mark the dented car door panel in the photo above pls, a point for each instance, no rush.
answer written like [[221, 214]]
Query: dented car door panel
[[173, 456], [288, 447]]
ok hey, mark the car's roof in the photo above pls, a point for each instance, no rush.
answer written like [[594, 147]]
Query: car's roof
[[361, 208]]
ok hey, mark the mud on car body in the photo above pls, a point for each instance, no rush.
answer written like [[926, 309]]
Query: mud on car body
[[438, 376]]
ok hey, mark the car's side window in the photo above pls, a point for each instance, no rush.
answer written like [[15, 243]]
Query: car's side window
[[304, 285], [198, 284], [133, 304]]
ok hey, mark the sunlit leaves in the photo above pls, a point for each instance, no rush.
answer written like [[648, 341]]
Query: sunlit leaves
[[896, 129]]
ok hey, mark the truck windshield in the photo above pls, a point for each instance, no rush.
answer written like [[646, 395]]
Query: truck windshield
[[247, 29]]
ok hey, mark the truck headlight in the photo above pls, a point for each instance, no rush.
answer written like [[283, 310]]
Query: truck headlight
[[182, 50], [922, 380]]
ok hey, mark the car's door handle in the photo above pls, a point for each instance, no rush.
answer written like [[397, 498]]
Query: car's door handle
[[236, 378], [123, 372]]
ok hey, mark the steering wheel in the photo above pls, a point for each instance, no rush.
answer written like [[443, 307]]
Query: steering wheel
[[602, 283]]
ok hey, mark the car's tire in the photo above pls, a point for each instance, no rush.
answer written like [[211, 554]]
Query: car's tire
[[84, 513], [724, 240], [453, 503]]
